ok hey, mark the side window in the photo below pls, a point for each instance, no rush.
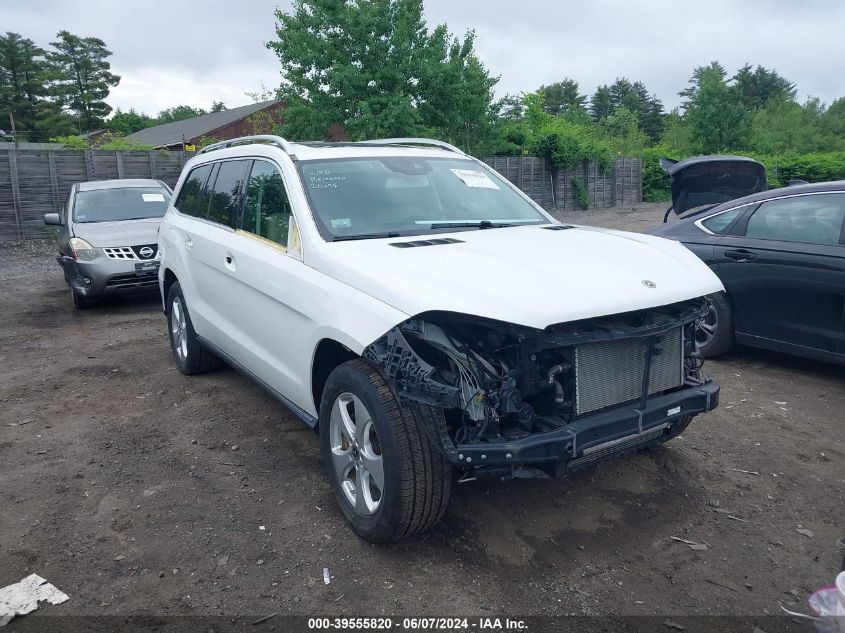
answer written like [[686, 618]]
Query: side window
[[811, 219], [267, 209], [226, 195], [719, 224], [193, 197]]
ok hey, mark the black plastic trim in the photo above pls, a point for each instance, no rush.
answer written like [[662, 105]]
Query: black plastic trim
[[568, 443]]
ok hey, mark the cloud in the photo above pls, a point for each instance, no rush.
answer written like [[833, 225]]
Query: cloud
[[186, 51]]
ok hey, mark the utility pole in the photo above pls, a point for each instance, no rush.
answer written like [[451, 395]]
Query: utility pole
[[14, 134]]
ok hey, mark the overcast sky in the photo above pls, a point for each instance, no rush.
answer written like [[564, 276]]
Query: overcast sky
[[195, 52]]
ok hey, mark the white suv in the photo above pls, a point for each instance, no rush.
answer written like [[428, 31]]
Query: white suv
[[427, 318]]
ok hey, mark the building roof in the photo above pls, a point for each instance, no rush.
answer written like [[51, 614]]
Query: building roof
[[173, 133]]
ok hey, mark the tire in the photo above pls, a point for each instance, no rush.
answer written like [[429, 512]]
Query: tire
[[415, 475], [717, 332], [79, 302], [190, 355], [680, 426]]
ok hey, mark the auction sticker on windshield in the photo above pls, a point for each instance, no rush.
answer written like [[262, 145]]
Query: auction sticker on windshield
[[474, 178], [153, 197]]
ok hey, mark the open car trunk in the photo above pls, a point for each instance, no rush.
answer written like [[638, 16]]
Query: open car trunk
[[710, 180]]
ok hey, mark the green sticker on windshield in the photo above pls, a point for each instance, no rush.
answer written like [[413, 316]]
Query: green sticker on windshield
[[341, 223]]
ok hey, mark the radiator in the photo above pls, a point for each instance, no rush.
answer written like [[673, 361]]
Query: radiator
[[609, 373]]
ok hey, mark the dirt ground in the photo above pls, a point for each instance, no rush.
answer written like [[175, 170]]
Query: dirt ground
[[137, 490]]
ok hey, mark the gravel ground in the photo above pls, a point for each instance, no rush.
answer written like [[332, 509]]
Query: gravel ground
[[137, 490]]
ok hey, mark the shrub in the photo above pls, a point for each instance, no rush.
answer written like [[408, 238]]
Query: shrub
[[579, 190], [567, 144], [655, 180], [107, 141], [813, 167]]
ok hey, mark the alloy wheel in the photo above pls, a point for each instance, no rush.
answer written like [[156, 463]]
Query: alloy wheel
[[356, 453], [178, 329], [706, 330]]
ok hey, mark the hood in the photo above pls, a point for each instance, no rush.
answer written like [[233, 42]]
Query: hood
[[123, 233], [705, 180], [526, 275]]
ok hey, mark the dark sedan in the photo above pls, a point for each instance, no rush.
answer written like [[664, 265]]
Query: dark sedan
[[781, 256]]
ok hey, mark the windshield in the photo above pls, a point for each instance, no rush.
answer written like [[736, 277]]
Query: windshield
[[410, 195], [112, 205]]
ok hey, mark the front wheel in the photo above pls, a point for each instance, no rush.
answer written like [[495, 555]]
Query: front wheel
[[715, 335], [389, 477]]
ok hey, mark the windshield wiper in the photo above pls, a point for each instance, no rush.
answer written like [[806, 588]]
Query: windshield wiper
[[364, 236], [481, 224]]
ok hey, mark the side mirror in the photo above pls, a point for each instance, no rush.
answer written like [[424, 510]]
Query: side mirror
[[53, 219]]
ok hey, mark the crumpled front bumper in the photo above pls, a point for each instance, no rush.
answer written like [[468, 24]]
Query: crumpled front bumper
[[592, 438], [104, 276]]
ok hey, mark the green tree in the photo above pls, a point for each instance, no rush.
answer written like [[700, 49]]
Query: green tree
[[563, 97], [714, 112], [178, 113], [373, 67], [126, 123], [601, 103], [52, 120], [634, 97], [690, 92], [832, 125], [622, 131], [785, 126], [509, 108], [760, 86], [81, 77], [455, 90], [217, 106], [676, 136], [21, 80]]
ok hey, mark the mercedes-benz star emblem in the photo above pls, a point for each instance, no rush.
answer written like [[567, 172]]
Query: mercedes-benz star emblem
[[649, 284], [147, 252]]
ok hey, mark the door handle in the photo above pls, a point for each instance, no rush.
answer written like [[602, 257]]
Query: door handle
[[189, 243], [741, 255]]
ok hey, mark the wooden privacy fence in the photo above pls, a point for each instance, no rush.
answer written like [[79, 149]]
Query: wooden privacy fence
[[553, 190], [35, 182]]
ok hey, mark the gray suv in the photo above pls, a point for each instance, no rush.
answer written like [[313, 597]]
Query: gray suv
[[108, 237]]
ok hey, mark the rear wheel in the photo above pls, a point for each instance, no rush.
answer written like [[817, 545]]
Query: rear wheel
[[715, 335], [390, 478], [190, 355]]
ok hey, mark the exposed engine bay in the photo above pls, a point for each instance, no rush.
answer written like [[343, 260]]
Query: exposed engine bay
[[497, 382]]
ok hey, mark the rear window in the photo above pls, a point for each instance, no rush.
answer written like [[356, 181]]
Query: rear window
[[114, 205], [720, 223]]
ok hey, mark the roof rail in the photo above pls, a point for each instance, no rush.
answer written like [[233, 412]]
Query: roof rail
[[413, 141], [278, 141]]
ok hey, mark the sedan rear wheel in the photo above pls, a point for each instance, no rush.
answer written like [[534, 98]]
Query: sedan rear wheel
[[715, 333]]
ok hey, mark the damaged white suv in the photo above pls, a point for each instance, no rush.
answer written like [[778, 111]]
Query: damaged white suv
[[427, 318]]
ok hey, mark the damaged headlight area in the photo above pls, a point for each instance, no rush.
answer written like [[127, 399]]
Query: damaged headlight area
[[499, 383]]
